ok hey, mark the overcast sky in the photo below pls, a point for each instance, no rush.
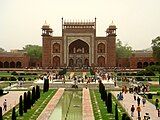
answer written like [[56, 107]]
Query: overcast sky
[[138, 21]]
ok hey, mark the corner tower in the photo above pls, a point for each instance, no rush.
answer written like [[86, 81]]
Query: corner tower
[[46, 41]]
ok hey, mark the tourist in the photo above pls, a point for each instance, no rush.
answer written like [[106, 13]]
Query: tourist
[[134, 95], [139, 111], [144, 101], [132, 110], [138, 101], [5, 105], [156, 104]]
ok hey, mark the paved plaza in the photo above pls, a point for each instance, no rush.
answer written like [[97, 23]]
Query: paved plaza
[[12, 99], [128, 101]]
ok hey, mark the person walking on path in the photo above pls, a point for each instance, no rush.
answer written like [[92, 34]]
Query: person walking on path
[[156, 104], [138, 101], [139, 111], [144, 101], [5, 105], [134, 95], [132, 110]]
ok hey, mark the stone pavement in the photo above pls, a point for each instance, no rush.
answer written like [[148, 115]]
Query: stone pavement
[[12, 99], [87, 106], [51, 105], [128, 101]]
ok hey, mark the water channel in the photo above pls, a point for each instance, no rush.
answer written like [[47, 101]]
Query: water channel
[[69, 107]]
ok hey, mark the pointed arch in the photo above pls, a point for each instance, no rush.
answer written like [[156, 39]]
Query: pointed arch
[[1, 64], [18, 64], [139, 65], [145, 64], [6, 64], [86, 62], [71, 62], [101, 48], [56, 48], [101, 61], [56, 61], [12, 64]]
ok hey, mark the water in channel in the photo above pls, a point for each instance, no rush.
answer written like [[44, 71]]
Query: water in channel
[[69, 107]]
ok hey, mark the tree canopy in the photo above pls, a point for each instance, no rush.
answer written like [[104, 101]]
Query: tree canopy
[[156, 47], [123, 51], [34, 51], [2, 50]]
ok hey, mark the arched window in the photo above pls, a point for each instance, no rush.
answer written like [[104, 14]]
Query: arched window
[[71, 62], [56, 61], [56, 48], [18, 64], [86, 62], [1, 64], [139, 65], [101, 61], [145, 64], [101, 48], [12, 64], [6, 64]]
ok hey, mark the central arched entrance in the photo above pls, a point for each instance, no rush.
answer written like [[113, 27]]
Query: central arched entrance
[[78, 54]]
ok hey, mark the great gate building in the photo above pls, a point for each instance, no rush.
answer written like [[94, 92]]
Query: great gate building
[[78, 46]]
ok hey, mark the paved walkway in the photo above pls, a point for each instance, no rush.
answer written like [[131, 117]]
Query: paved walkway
[[87, 106], [51, 105], [12, 99], [128, 101]]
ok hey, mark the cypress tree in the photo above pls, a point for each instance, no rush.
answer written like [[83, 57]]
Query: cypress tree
[[13, 114], [28, 100], [33, 95], [106, 98], [124, 116], [45, 85], [37, 92], [20, 106], [109, 106], [102, 90], [1, 118], [116, 112], [25, 102]]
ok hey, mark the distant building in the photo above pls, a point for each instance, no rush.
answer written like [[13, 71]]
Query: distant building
[[139, 59], [14, 60], [78, 46]]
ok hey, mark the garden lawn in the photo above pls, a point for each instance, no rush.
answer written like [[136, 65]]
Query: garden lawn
[[35, 110], [155, 88], [100, 109]]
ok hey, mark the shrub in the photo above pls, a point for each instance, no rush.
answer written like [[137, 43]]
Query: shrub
[[28, 100], [116, 112], [1, 118], [62, 72], [37, 92], [28, 73], [14, 73], [20, 78], [25, 103], [22, 74], [20, 106], [150, 96], [12, 79], [109, 106], [158, 93], [33, 95], [46, 85], [4, 79], [34, 73], [29, 79], [1, 92], [124, 116], [13, 114]]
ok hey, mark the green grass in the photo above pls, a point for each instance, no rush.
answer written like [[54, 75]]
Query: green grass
[[100, 109], [155, 88], [35, 110]]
